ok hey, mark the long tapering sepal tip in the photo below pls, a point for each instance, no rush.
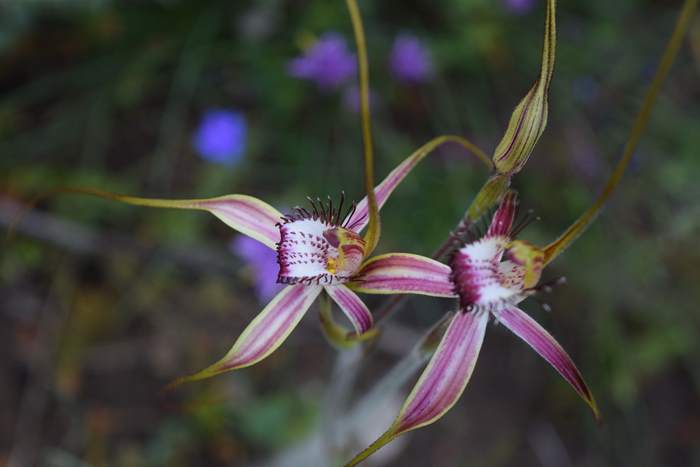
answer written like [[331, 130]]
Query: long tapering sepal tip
[[382, 441], [206, 373], [594, 408]]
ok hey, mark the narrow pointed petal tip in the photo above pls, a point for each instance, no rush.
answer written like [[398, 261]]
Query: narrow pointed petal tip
[[382, 441], [264, 334], [530, 331], [395, 273], [442, 381]]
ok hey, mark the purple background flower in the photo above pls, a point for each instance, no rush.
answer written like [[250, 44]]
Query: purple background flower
[[263, 263], [221, 136], [328, 62], [410, 60], [519, 6]]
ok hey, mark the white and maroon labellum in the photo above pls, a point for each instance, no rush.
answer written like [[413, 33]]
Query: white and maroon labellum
[[481, 279], [317, 248], [494, 271]]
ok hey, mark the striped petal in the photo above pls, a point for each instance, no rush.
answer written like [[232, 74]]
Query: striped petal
[[353, 307], [441, 383], [265, 333], [447, 374], [544, 344], [250, 216], [337, 334], [404, 273]]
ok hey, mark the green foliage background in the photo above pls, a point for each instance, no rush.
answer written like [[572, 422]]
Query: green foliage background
[[106, 303]]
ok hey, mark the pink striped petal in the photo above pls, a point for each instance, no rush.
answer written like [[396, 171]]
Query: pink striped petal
[[353, 307], [265, 333], [502, 220], [248, 215], [404, 273], [447, 374], [441, 383], [544, 344]]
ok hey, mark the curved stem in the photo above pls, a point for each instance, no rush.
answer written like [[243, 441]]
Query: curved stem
[[464, 142], [374, 227], [555, 248]]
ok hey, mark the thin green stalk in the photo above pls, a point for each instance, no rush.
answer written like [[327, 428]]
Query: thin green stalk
[[374, 227]]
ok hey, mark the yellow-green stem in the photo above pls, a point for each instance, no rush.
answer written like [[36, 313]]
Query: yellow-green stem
[[372, 448], [465, 143], [550, 44], [374, 227], [555, 248], [137, 201]]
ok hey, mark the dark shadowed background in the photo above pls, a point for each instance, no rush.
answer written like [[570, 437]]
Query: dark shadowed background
[[103, 304]]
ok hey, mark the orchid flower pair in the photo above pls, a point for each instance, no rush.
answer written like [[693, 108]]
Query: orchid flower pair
[[321, 250]]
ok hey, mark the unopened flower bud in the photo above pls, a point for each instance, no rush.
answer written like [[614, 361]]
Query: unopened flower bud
[[529, 118]]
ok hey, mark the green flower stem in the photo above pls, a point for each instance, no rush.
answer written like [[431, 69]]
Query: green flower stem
[[374, 227]]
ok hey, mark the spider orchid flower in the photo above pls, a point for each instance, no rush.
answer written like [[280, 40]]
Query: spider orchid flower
[[493, 274], [490, 276]]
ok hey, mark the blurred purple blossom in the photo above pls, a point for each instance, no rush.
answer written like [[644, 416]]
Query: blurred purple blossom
[[262, 262], [221, 136], [519, 6], [328, 62], [410, 60]]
